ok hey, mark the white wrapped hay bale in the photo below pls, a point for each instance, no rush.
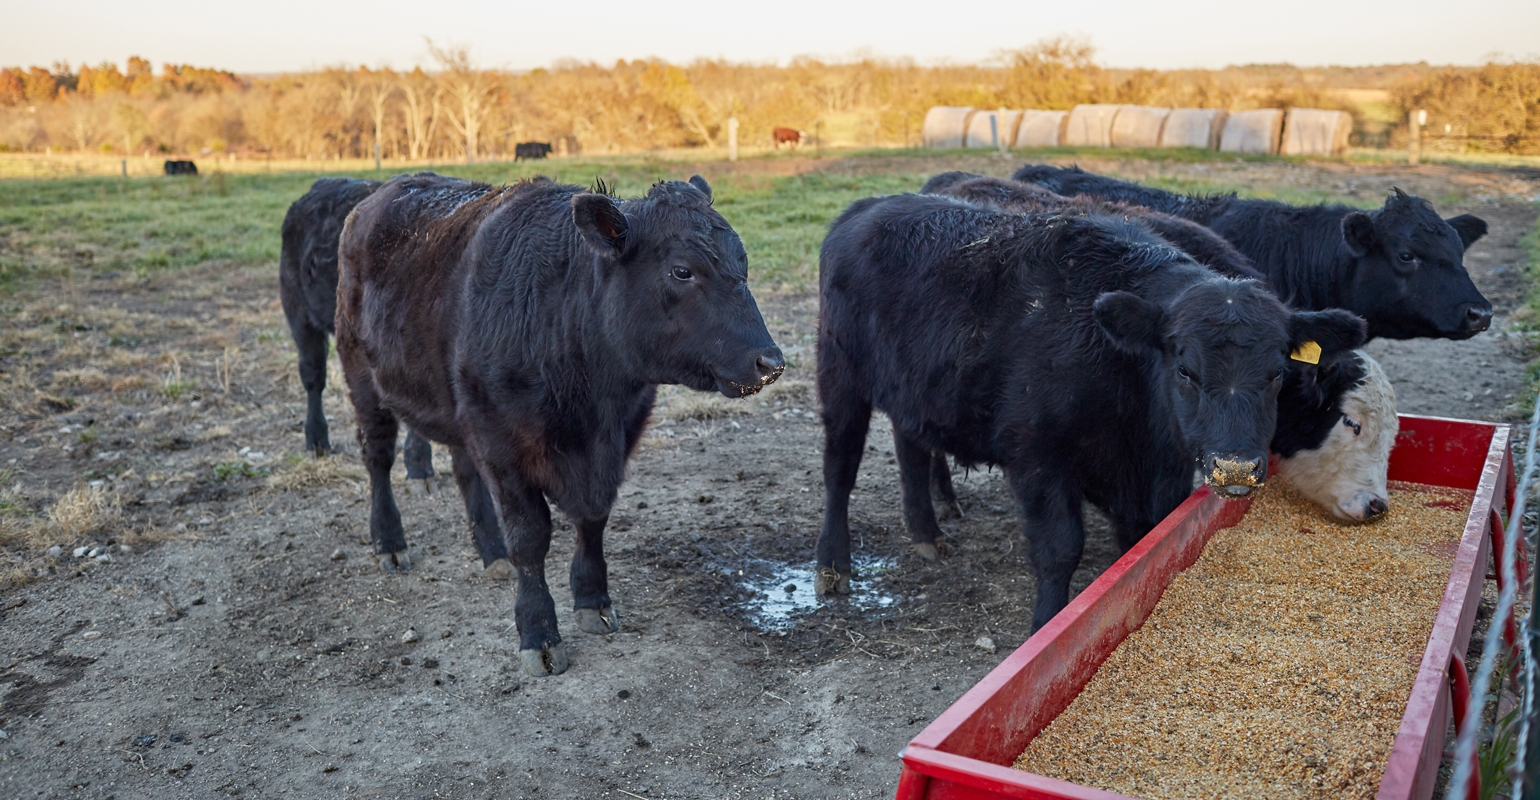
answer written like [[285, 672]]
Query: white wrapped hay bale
[[1316, 132], [981, 135], [1256, 131], [1041, 128], [946, 126], [1138, 126], [1193, 127], [1090, 125]]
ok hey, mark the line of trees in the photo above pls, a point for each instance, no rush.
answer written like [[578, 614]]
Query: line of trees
[[459, 111]]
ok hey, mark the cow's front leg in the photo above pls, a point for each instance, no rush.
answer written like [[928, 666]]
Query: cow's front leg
[[590, 580], [527, 524], [1055, 531]]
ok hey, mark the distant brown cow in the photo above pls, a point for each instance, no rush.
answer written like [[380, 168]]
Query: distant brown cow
[[787, 136]]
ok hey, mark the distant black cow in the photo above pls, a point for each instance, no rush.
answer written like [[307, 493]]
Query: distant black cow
[[527, 327], [1401, 267], [181, 168], [531, 151], [1087, 357], [307, 286]]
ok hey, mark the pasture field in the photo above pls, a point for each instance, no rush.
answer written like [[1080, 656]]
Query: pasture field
[[246, 645]]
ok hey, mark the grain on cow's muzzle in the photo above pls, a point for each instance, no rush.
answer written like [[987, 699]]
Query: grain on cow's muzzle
[[768, 366], [1234, 475]]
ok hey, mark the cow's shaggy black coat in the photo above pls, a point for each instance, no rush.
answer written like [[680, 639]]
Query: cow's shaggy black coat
[[527, 328], [531, 151], [1206, 247], [1400, 267], [307, 286], [1090, 359]]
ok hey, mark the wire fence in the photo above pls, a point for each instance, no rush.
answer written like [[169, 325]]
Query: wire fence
[[1466, 744]]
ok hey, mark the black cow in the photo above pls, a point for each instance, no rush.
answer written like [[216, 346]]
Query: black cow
[[181, 168], [307, 286], [531, 151], [1090, 359], [527, 327], [1401, 267]]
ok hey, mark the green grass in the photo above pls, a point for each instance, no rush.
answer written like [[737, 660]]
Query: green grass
[[64, 227]]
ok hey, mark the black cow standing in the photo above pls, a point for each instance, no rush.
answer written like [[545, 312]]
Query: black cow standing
[[527, 328], [1401, 267], [1090, 359], [531, 151], [181, 168], [307, 286]]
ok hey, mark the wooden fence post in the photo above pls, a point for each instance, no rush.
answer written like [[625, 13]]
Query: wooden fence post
[[732, 138], [376, 156], [1414, 146], [125, 168]]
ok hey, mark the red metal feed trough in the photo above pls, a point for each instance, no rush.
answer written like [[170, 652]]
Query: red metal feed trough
[[967, 752]]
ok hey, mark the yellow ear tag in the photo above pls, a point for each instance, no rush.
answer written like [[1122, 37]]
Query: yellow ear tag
[[1309, 352]]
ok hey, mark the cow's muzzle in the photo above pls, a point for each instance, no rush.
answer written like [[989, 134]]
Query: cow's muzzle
[[1234, 475], [768, 365]]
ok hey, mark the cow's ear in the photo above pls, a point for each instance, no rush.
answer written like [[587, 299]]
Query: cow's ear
[[1469, 228], [1132, 322], [1334, 330], [601, 223], [701, 184], [1358, 231]]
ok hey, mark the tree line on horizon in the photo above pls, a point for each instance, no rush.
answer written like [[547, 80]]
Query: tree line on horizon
[[458, 111]]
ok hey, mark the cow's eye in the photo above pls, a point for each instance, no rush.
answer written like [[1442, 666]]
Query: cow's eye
[[682, 273], [1182, 371], [1352, 424], [1278, 376], [1407, 258]]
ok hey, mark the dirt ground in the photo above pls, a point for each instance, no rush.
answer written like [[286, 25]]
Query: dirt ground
[[248, 646]]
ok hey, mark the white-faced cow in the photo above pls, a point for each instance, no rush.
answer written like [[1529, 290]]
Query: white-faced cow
[[527, 327], [307, 287], [1401, 267], [1090, 359]]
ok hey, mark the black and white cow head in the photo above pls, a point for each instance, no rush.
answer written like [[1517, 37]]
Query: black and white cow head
[[1409, 279], [1334, 442]]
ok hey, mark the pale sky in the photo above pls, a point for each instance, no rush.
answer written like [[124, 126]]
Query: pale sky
[[284, 35]]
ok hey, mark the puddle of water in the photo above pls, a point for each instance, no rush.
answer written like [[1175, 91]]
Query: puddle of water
[[784, 592]]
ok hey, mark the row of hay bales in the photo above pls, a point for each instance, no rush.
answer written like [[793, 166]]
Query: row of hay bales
[[1299, 131]]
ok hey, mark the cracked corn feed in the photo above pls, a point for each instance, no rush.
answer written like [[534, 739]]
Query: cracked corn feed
[[1278, 665]]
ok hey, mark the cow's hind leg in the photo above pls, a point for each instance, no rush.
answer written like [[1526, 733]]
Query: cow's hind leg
[[485, 530], [377, 429], [311, 343], [846, 418], [914, 474], [418, 456], [590, 580], [1055, 533], [941, 487]]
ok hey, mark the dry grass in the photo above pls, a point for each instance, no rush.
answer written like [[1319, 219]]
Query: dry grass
[[84, 510], [315, 473]]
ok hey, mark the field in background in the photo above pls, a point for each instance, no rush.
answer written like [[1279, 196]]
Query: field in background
[[780, 204]]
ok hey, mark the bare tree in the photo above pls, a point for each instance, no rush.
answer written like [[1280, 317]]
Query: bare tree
[[378, 90], [421, 101], [472, 90]]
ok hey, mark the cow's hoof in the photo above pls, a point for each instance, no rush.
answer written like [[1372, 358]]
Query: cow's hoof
[[949, 509], [499, 570], [321, 450], [395, 562], [598, 620], [829, 581], [552, 660], [423, 486], [931, 551]]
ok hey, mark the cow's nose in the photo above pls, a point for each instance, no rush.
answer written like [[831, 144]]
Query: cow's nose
[[1478, 318], [1234, 475], [1377, 506], [770, 365]]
